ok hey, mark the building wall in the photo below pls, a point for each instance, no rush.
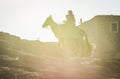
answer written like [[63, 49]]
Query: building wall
[[99, 32], [108, 40]]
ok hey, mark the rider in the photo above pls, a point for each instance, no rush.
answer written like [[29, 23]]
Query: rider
[[70, 19]]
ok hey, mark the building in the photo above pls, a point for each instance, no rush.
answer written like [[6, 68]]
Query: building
[[104, 32]]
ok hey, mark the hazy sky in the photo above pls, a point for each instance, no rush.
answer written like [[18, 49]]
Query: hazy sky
[[24, 18]]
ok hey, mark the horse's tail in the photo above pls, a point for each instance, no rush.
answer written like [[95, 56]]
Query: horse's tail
[[89, 45]]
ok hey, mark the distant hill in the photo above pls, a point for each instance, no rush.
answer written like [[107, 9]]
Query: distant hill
[[19, 56], [13, 43]]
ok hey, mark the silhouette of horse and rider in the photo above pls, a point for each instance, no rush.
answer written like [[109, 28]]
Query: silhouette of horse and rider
[[71, 38]]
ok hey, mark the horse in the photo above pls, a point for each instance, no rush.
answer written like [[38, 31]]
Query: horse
[[71, 38]]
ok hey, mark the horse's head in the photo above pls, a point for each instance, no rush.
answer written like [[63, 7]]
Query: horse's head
[[47, 22]]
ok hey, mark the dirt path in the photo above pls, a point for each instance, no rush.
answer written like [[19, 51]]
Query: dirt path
[[70, 68]]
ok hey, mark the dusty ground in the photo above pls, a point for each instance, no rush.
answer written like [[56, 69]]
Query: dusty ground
[[23, 59], [47, 67]]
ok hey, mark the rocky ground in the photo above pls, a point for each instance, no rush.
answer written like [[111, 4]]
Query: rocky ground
[[23, 59]]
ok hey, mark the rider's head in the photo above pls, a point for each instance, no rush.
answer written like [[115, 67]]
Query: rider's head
[[70, 12]]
